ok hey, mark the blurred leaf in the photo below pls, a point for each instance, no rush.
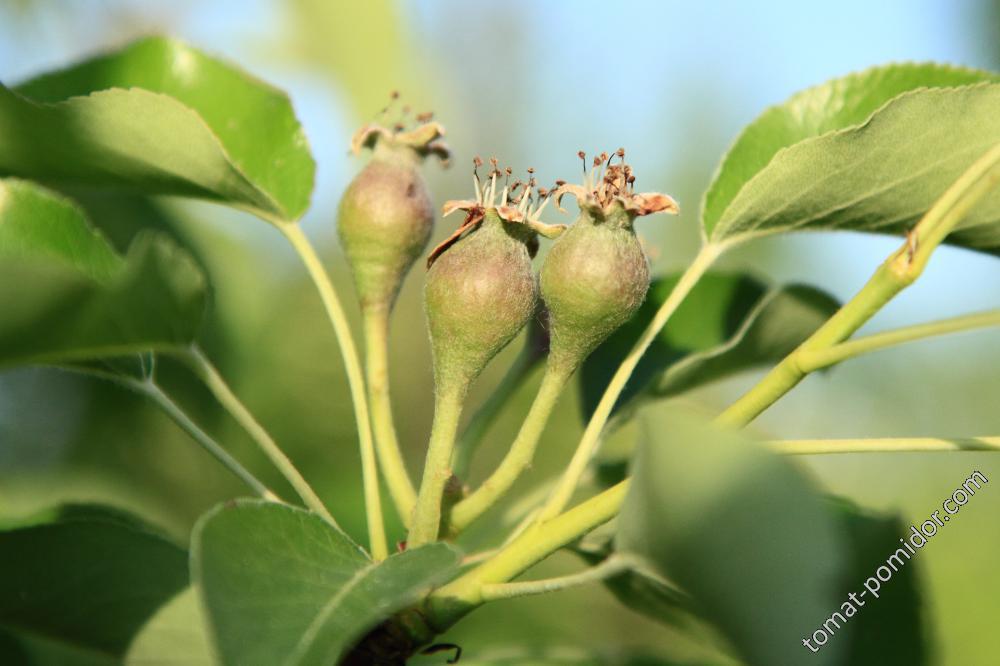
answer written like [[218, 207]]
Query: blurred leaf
[[26, 649], [889, 631], [65, 295], [282, 585], [86, 577], [363, 45], [162, 118], [643, 591], [868, 152], [175, 635], [729, 323], [742, 532], [570, 656]]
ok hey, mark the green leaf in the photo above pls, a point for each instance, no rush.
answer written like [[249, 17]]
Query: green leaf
[[643, 591], [742, 532], [66, 296], [27, 649], [282, 586], [729, 323], [890, 630], [867, 152], [574, 656], [162, 118], [86, 577], [175, 636]]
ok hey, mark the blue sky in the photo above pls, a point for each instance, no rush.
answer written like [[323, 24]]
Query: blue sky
[[673, 81]]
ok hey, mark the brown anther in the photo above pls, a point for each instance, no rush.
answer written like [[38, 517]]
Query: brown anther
[[560, 182], [598, 160], [398, 127], [531, 169], [543, 192], [494, 162], [425, 117], [394, 95], [477, 161], [509, 171], [620, 153]]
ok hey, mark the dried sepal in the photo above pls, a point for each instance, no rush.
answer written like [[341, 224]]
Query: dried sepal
[[607, 187], [423, 139], [519, 203]]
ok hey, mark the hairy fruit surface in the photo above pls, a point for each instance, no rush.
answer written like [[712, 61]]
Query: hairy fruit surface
[[596, 275]]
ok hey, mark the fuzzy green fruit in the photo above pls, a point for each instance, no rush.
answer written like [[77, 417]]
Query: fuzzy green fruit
[[384, 223], [593, 280], [479, 295]]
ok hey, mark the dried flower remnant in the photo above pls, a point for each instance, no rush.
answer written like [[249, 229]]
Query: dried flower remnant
[[597, 274], [520, 202], [608, 185]]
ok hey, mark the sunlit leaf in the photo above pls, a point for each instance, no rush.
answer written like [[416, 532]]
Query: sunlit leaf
[[283, 586], [867, 152], [160, 117], [67, 296], [175, 636]]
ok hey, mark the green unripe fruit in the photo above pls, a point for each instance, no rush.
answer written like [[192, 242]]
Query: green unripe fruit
[[479, 294], [596, 275], [593, 280], [385, 216], [384, 223]]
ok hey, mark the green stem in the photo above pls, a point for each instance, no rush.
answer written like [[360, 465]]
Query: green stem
[[484, 417], [520, 455], [355, 381], [609, 568], [885, 445], [895, 274], [212, 380], [149, 389], [437, 466], [177, 415], [448, 604], [390, 457], [590, 441], [810, 361]]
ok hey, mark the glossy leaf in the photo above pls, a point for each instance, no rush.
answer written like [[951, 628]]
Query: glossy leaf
[[67, 296], [729, 323], [86, 578], [305, 593], [868, 152], [742, 532], [174, 636], [160, 117]]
